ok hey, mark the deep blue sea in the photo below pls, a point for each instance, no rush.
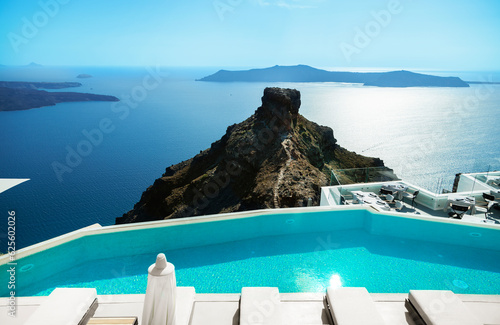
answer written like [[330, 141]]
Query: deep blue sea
[[426, 135]]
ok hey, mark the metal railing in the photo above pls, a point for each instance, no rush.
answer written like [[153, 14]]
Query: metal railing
[[362, 175]]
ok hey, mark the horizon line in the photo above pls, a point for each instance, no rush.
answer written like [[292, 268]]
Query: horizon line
[[34, 65]]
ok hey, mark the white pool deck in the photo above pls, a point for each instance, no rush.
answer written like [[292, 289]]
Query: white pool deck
[[297, 308], [221, 309]]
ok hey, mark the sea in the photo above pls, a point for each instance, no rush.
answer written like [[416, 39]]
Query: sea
[[89, 162]]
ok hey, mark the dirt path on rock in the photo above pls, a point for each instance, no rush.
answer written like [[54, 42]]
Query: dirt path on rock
[[286, 146]]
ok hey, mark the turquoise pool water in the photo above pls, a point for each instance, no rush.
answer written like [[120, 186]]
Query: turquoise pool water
[[303, 252]]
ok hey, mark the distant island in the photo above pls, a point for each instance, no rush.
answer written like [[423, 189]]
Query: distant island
[[305, 73], [483, 82], [84, 76], [33, 65], [15, 96]]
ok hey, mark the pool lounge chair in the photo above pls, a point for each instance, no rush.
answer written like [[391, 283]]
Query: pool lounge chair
[[383, 192], [389, 199], [411, 196], [489, 202], [438, 307], [458, 211], [352, 306], [66, 306], [260, 306], [399, 205], [113, 321]]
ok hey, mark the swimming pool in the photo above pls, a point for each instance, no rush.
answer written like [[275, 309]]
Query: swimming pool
[[297, 250]]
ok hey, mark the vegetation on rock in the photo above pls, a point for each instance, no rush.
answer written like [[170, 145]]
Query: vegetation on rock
[[276, 158]]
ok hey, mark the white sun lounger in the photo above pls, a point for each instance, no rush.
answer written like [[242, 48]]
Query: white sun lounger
[[260, 305], [439, 307], [352, 306], [66, 306]]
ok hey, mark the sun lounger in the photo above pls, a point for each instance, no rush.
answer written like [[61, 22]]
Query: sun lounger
[[260, 305], [352, 306], [113, 321], [438, 307], [66, 306]]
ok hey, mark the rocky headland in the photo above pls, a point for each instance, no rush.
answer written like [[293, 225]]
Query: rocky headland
[[275, 158], [16, 96]]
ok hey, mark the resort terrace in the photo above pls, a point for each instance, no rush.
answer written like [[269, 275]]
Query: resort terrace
[[469, 190]]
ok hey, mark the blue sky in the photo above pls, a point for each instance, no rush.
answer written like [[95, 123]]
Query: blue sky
[[410, 34]]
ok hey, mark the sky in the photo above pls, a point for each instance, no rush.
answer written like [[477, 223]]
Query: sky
[[409, 34]]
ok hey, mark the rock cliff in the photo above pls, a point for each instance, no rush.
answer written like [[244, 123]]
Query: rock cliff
[[276, 158]]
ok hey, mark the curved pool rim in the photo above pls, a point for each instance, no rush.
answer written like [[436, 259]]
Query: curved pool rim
[[97, 229], [42, 260]]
